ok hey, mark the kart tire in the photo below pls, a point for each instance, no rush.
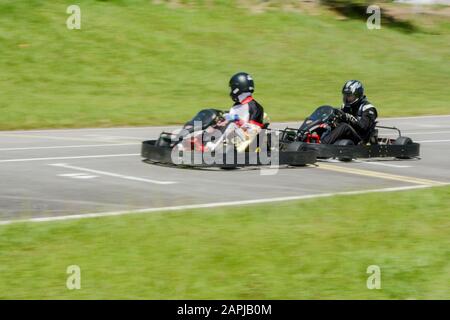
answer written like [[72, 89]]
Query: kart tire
[[163, 141], [294, 146], [229, 168], [345, 142], [403, 141]]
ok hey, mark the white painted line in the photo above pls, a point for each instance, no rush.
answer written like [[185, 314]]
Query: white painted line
[[77, 176], [108, 137], [214, 204], [56, 137], [425, 132], [430, 126], [329, 160], [76, 146], [368, 162], [432, 141], [68, 158], [42, 200], [86, 177], [168, 127], [93, 129], [111, 174], [383, 164], [417, 117], [70, 174]]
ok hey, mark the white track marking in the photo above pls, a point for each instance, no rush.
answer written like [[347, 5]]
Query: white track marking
[[92, 129], [111, 174], [425, 132], [77, 175], [214, 205], [108, 137], [432, 141], [21, 135], [385, 164], [70, 174], [368, 162], [382, 164], [175, 127], [63, 201], [417, 117], [68, 158], [329, 160], [431, 126], [76, 146]]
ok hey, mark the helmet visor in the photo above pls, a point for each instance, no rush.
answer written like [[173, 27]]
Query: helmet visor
[[349, 98]]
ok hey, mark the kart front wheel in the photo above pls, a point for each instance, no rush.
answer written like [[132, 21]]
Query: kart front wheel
[[344, 142]]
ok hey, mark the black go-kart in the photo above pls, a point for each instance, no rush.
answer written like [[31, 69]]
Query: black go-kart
[[188, 147], [372, 146]]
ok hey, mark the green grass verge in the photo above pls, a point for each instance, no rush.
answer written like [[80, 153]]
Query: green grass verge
[[137, 63], [298, 250]]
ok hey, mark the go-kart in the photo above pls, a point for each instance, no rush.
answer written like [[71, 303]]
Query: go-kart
[[205, 142], [372, 146]]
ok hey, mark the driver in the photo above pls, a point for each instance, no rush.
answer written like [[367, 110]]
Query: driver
[[358, 115], [245, 118]]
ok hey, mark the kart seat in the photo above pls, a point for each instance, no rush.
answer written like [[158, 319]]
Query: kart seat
[[372, 136]]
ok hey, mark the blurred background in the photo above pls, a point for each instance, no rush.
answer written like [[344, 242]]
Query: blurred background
[[143, 62]]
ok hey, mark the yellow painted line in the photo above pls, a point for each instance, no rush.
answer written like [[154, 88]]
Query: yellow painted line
[[380, 175]]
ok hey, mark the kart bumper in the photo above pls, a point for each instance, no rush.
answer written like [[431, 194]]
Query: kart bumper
[[151, 152]]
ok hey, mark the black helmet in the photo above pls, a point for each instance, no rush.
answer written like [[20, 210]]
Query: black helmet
[[352, 92], [240, 83]]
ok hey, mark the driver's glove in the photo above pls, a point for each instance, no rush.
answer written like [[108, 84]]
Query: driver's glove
[[229, 117], [350, 118], [340, 115]]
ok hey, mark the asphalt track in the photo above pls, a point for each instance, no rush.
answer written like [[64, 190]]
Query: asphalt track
[[62, 174]]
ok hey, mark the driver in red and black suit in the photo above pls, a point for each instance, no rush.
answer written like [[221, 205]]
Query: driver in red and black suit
[[246, 110], [357, 113], [245, 118]]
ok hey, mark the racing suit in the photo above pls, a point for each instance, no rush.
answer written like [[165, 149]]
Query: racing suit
[[360, 119], [244, 122], [247, 112]]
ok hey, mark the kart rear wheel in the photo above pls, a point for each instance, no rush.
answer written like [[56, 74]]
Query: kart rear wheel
[[403, 141], [344, 142]]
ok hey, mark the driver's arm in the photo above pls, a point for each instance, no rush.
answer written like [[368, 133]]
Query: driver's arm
[[367, 119]]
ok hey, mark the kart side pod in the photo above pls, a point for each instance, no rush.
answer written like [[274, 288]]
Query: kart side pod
[[154, 152], [346, 150]]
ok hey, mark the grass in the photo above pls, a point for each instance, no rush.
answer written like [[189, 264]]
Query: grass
[[138, 63], [297, 250]]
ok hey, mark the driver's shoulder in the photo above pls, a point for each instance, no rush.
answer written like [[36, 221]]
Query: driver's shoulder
[[369, 110], [367, 105]]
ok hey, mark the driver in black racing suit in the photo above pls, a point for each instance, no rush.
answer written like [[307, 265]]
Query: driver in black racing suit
[[357, 113]]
